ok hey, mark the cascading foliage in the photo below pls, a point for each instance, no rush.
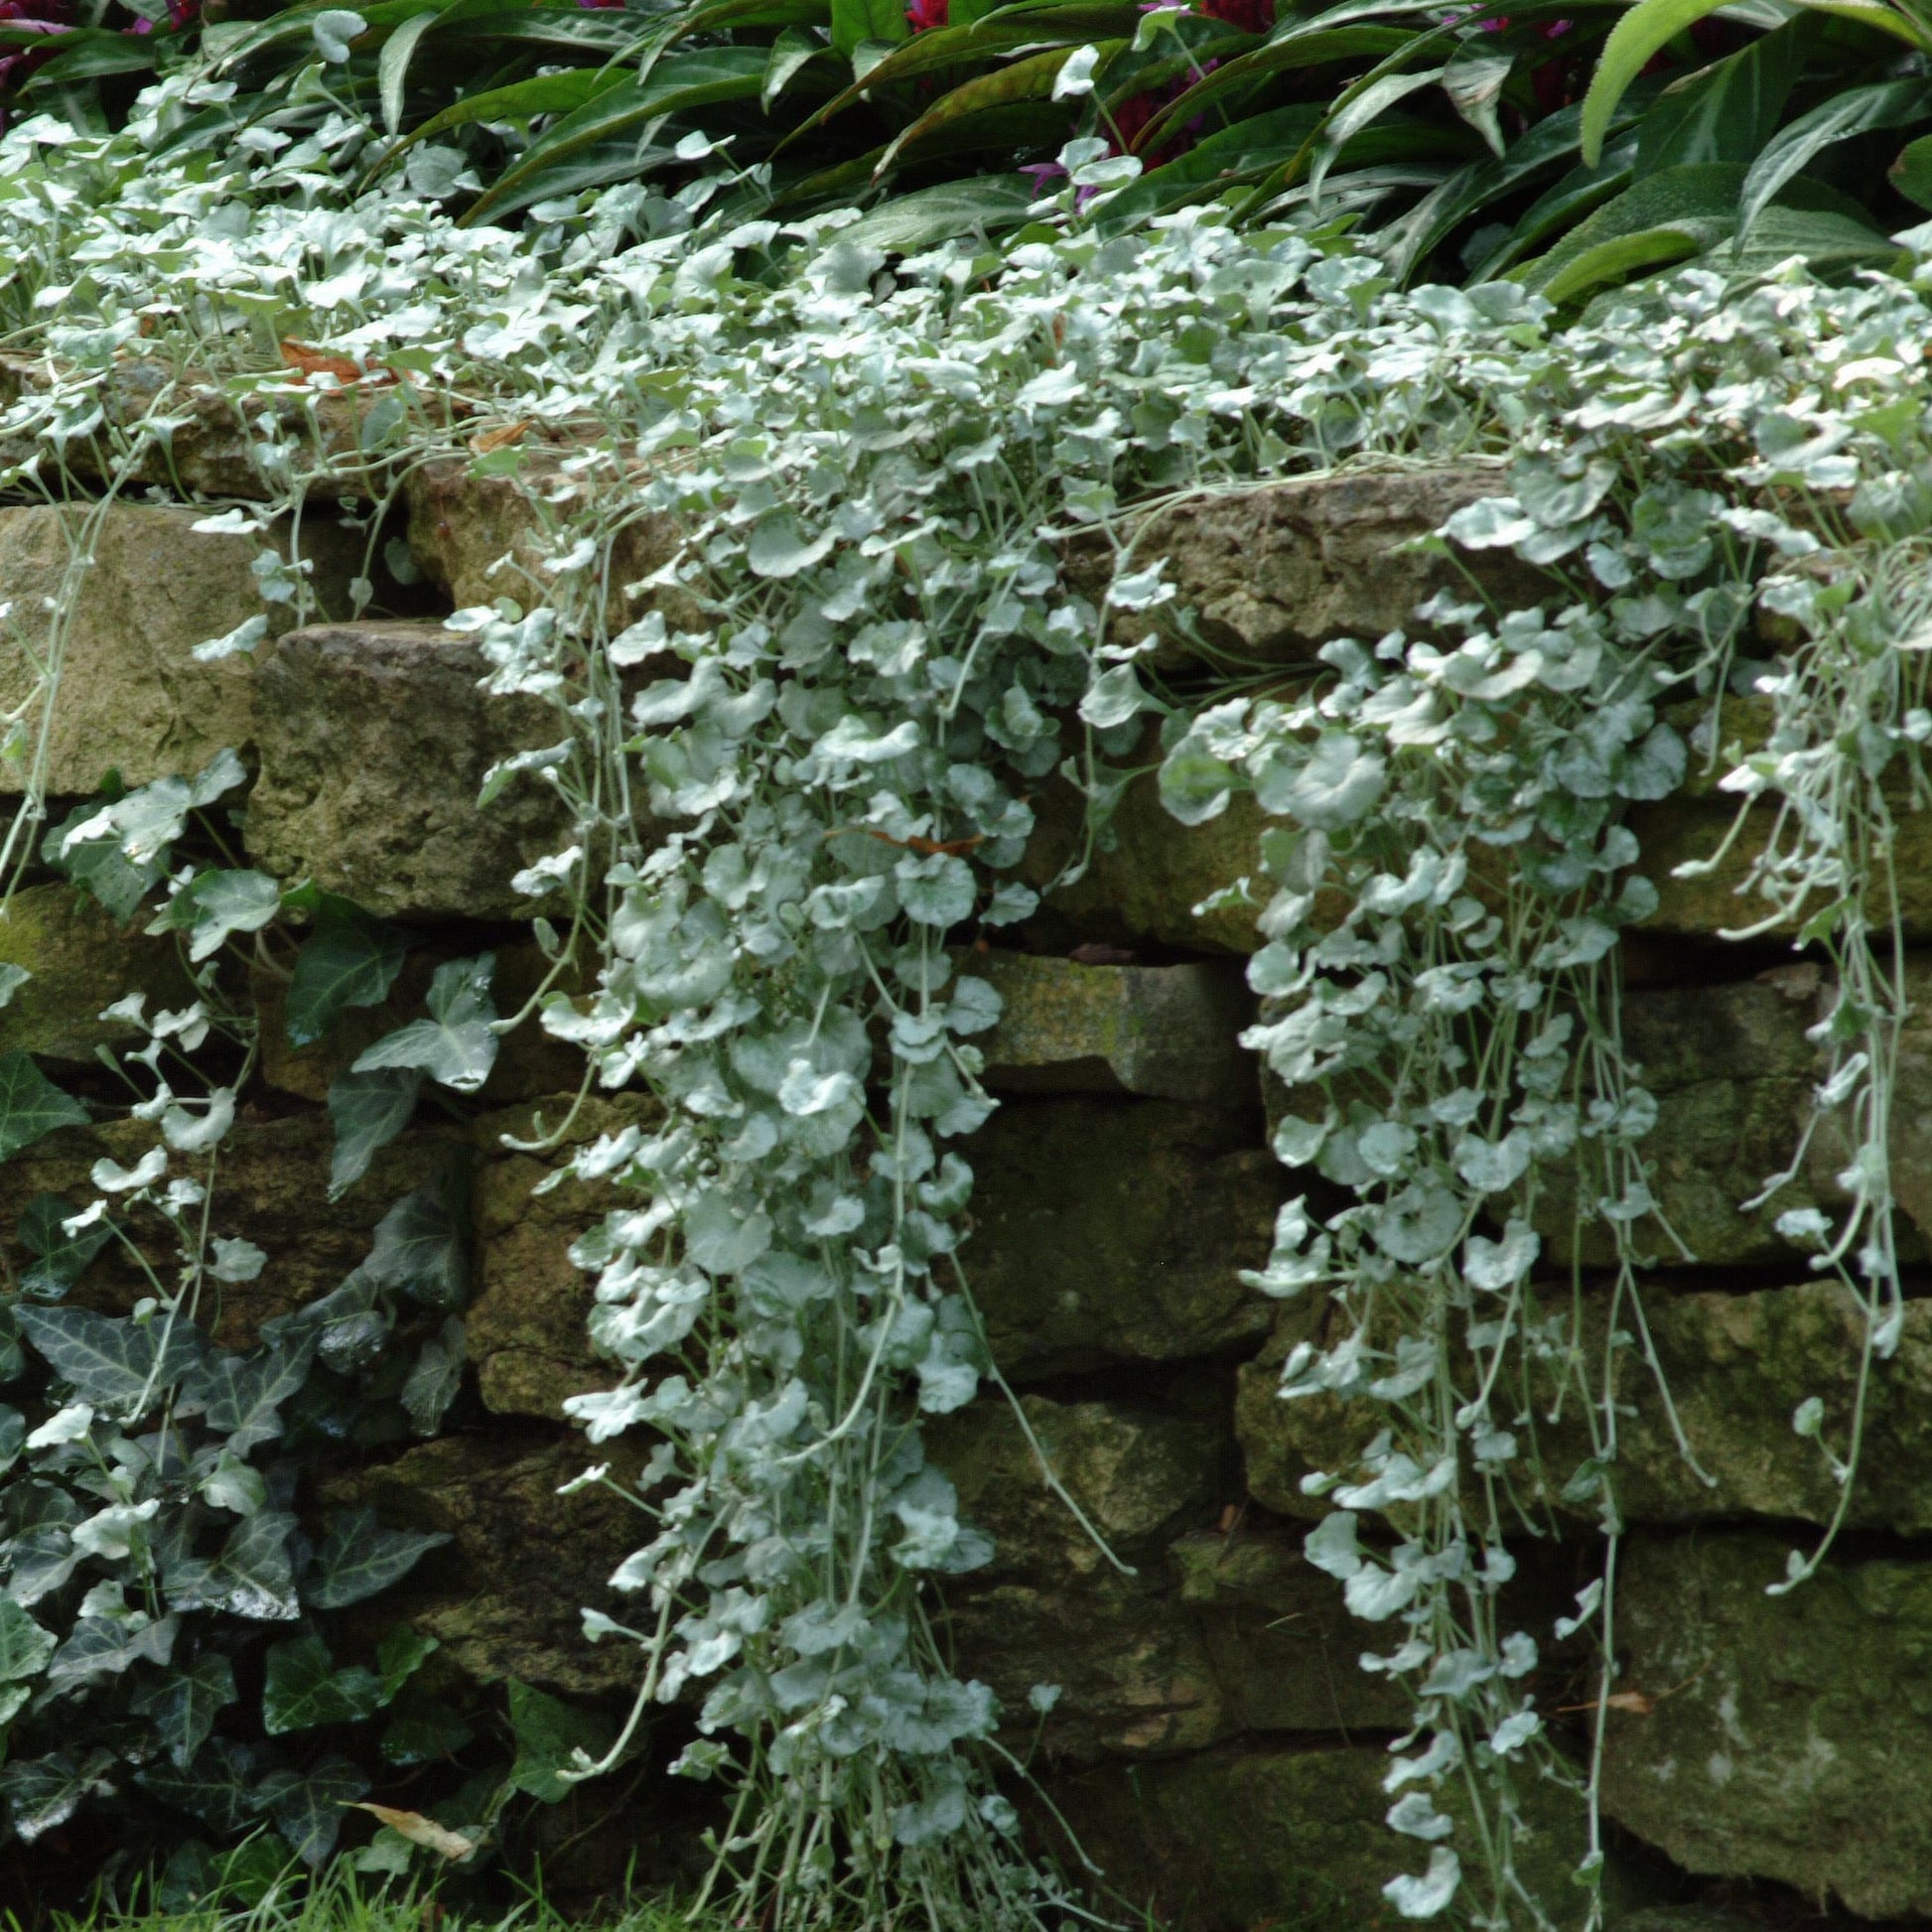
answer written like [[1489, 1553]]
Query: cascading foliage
[[803, 760]]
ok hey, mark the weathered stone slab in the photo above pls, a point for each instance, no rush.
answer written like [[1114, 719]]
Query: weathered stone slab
[[1230, 1840], [1143, 885], [1736, 1367], [131, 698], [528, 1332], [271, 1188], [481, 536], [1786, 1734], [1284, 1648], [1272, 573], [1109, 1230], [1168, 1031], [504, 1597], [374, 742], [1133, 1668], [81, 963]]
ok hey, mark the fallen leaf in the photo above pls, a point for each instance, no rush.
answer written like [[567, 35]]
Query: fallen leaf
[[422, 1830], [310, 360], [501, 437]]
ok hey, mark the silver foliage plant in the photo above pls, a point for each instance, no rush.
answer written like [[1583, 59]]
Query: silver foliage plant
[[810, 764]]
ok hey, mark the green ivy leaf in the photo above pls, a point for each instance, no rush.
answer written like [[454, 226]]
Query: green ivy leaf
[[457, 1045], [103, 1647], [240, 1396], [216, 904], [423, 1732], [435, 1378], [422, 1246], [43, 1793], [183, 1704], [25, 1647], [302, 1688], [31, 1105], [308, 1808], [253, 1577], [114, 1362], [99, 866], [351, 959], [549, 1733], [217, 1787], [368, 1111], [59, 1258], [402, 1653], [358, 1557]]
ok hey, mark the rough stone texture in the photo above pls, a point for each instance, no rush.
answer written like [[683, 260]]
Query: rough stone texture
[[1116, 1229], [526, 1327], [272, 1187], [1736, 1365], [1230, 1841], [481, 537], [1791, 1743], [1133, 1669], [374, 742], [1272, 573], [132, 699], [1283, 1647], [1143, 887], [81, 962], [1164, 1031], [529, 1063], [504, 1597]]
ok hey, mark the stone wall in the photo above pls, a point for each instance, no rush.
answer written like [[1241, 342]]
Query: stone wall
[[1213, 1743]]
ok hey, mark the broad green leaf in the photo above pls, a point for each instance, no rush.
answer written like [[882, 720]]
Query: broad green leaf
[[1032, 79], [392, 68], [102, 1646], [1474, 81], [549, 1733], [217, 1787], [308, 1806], [24, 1646], [909, 222], [367, 1112], [112, 1363], [99, 866], [351, 959], [357, 1558], [423, 1731], [253, 1577], [1858, 111], [676, 85], [523, 101], [457, 1045], [302, 1688], [59, 1258], [422, 1246], [184, 1704], [216, 904], [790, 52], [435, 1378], [855, 22], [400, 1655], [43, 1793], [1729, 111], [1625, 255], [13, 1427], [240, 1396], [31, 1105], [1911, 173]]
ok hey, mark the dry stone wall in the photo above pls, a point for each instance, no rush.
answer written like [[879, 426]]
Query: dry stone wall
[[1213, 1738]]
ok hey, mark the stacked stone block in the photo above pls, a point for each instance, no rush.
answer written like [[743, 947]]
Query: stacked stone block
[[1213, 1737]]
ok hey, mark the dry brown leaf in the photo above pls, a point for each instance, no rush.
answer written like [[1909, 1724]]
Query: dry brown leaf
[[310, 360], [422, 1830], [501, 437]]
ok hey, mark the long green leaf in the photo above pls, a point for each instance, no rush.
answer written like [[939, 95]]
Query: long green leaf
[[1729, 111], [1278, 57], [1029, 80], [1858, 110], [677, 83], [544, 93], [392, 66], [911, 222], [948, 47], [1635, 40], [1626, 256]]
